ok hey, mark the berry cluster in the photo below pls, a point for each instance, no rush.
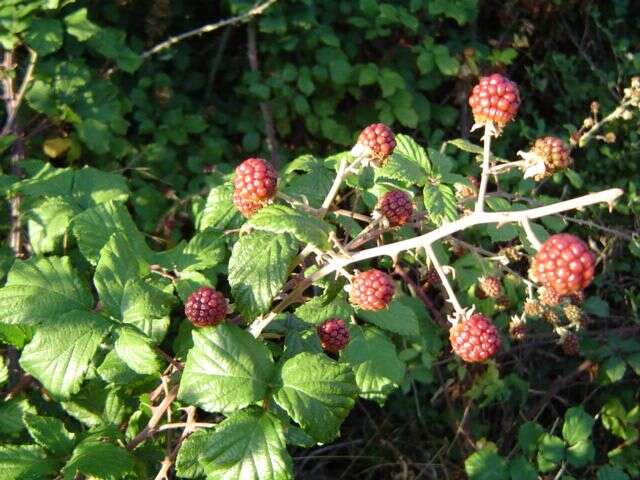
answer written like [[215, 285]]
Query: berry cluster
[[490, 287], [494, 99], [380, 141], [333, 334], [206, 307], [564, 264], [255, 183], [475, 339], [396, 207], [554, 152], [371, 290]]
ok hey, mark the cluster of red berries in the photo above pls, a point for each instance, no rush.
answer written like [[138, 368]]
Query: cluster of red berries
[[474, 339], [255, 183], [380, 141], [333, 335], [396, 207], [371, 290], [206, 307], [494, 99], [564, 264]]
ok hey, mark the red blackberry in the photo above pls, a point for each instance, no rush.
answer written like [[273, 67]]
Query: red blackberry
[[256, 180], [206, 307], [379, 139], [474, 339], [494, 99], [333, 334], [371, 290], [396, 207], [245, 206], [571, 345], [564, 263]]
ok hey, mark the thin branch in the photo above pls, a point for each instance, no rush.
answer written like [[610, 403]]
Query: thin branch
[[158, 413], [444, 279], [486, 155], [615, 114], [531, 236], [258, 10], [16, 101]]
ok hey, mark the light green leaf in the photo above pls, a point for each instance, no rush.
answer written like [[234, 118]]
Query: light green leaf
[[611, 473], [92, 187], [318, 309], [258, 268], [486, 464], [97, 459], [136, 349], [466, 146], [551, 453], [146, 307], [403, 168], [577, 425], [44, 35], [226, 370], [407, 146], [440, 202], [397, 318], [219, 211], [20, 462], [50, 433], [188, 459], [11, 416], [248, 445], [40, 289], [80, 26], [581, 454], [48, 224], [447, 64], [528, 436], [317, 393], [375, 363], [60, 353]]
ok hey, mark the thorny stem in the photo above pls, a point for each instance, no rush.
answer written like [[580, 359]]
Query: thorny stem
[[531, 236], [444, 279], [486, 155], [617, 113]]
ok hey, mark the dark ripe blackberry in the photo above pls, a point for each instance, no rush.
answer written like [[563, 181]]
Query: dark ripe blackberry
[[206, 307]]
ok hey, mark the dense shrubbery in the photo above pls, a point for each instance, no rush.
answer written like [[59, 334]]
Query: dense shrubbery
[[119, 161]]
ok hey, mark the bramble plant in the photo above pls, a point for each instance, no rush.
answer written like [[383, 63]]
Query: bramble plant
[[255, 314]]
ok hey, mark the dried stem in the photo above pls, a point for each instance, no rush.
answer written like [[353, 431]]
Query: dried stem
[[486, 155], [531, 236], [158, 413], [445, 280]]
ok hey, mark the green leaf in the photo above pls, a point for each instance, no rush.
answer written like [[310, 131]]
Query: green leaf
[[40, 289], [248, 445], [206, 249], [551, 452], [137, 351], [48, 224], [440, 202], [118, 264], [447, 64], [596, 306], [397, 318], [317, 393], [4, 370], [60, 353], [44, 35], [581, 453], [313, 186], [20, 462], [301, 225], [258, 268], [466, 146], [219, 211], [612, 369], [188, 459], [403, 168], [634, 362], [611, 473], [146, 307], [529, 435], [94, 227], [79, 26], [92, 187], [318, 309], [226, 370], [407, 147], [574, 178], [114, 370], [577, 425], [50, 433], [11, 416], [486, 464], [97, 459], [375, 363], [521, 469]]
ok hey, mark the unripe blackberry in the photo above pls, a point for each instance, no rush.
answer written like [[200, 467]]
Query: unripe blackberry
[[245, 206], [513, 254], [517, 329], [533, 308], [564, 263], [551, 317], [474, 339], [206, 307], [573, 313], [548, 297], [502, 303], [379, 139], [431, 278], [255, 179], [371, 290], [555, 152], [494, 99], [334, 335], [490, 287], [571, 345], [396, 207], [468, 191], [577, 297]]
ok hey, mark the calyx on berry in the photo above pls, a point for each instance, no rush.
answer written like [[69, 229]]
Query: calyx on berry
[[396, 207], [205, 307], [564, 264], [494, 99], [371, 290], [474, 339], [333, 334]]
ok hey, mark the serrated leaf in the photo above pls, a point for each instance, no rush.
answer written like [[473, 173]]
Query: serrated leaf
[[207, 249], [11, 416], [92, 187], [89, 458], [114, 370], [528, 436], [440, 202], [397, 318], [20, 462], [551, 452], [48, 224], [577, 425], [317, 393], [188, 458], [611, 473], [119, 263], [258, 268], [521, 469], [303, 226], [407, 146], [401, 167], [136, 349], [375, 363], [44, 35], [226, 370], [50, 433], [312, 186], [80, 26], [301, 341], [219, 211], [146, 307], [581, 453], [466, 146], [248, 445], [502, 233], [486, 464], [319, 309], [60, 352], [94, 227], [40, 289]]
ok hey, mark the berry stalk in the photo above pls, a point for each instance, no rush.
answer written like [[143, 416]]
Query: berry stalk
[[445, 281], [486, 154]]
